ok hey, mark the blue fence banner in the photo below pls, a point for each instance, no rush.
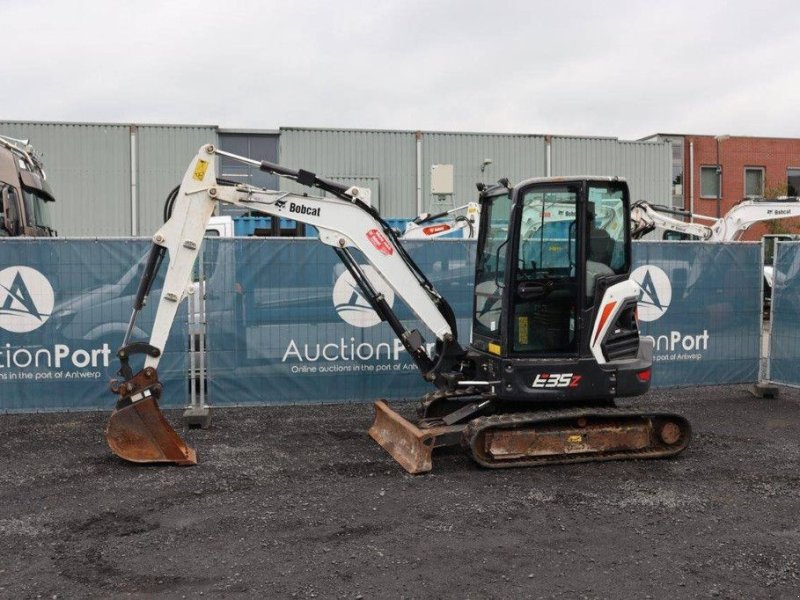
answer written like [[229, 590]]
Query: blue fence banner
[[785, 316], [701, 303], [64, 307], [287, 323]]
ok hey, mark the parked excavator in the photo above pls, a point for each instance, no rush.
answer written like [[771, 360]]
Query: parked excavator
[[554, 342], [647, 217], [429, 226]]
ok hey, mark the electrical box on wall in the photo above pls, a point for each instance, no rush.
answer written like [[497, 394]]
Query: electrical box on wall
[[441, 180]]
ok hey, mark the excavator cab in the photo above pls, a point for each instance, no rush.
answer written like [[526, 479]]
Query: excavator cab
[[549, 251]]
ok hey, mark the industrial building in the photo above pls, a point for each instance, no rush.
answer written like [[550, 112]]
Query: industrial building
[[112, 179], [712, 173]]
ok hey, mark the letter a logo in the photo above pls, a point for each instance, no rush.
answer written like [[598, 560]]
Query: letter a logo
[[26, 299], [655, 292], [351, 305]]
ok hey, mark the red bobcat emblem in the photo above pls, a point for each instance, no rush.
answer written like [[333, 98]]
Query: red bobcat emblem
[[380, 242], [435, 229]]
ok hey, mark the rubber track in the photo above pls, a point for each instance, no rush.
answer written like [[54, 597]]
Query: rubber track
[[474, 429]]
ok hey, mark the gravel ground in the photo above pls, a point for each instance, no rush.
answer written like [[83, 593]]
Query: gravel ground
[[299, 502]]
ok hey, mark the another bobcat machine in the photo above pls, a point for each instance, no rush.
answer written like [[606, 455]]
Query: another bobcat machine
[[554, 333], [427, 226]]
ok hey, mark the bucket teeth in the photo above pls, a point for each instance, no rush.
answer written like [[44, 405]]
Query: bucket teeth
[[137, 430]]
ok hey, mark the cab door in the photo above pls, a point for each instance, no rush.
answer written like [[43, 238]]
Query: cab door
[[545, 278]]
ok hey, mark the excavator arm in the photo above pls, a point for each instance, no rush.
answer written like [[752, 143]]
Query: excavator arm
[[748, 212], [137, 430], [646, 217], [427, 226]]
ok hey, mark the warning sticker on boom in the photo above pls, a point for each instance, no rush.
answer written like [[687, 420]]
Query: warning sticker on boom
[[200, 169], [380, 242]]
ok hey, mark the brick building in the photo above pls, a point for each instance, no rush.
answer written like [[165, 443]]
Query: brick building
[[712, 173]]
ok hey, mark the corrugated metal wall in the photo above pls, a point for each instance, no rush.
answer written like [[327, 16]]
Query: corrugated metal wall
[[88, 167], [163, 154], [349, 155], [514, 156], [646, 165], [390, 157]]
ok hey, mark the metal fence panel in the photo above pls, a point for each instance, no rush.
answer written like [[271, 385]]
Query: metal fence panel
[[701, 302], [785, 316], [64, 306], [287, 325]]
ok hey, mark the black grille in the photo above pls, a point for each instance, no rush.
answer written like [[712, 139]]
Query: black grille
[[622, 340], [625, 344]]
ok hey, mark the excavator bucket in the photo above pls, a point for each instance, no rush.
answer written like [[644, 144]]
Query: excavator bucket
[[409, 445], [137, 430]]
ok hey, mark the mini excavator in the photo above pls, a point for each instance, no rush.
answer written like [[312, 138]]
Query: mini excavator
[[554, 342]]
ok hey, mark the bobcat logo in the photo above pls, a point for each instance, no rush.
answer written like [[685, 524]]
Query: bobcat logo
[[26, 299]]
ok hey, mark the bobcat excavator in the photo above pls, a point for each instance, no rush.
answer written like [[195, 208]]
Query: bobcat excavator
[[554, 335], [427, 226], [646, 217]]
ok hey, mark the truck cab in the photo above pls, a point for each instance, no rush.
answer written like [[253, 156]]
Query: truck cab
[[26, 199]]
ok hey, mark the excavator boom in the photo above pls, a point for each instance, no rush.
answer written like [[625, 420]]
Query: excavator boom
[[646, 217], [137, 430]]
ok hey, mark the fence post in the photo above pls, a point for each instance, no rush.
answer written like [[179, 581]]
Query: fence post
[[198, 413]]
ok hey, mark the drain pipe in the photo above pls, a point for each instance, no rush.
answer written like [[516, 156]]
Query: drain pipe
[[419, 172], [134, 183], [548, 157]]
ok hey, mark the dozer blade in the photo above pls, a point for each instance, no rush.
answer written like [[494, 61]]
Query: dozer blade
[[137, 430], [409, 445]]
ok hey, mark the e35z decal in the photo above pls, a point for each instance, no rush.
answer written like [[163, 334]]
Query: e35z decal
[[556, 380]]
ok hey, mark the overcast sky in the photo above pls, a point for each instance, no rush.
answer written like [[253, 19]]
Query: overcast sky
[[612, 68]]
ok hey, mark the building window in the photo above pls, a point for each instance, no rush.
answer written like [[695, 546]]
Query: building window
[[258, 146], [793, 182], [709, 182], [252, 145], [677, 172], [754, 182]]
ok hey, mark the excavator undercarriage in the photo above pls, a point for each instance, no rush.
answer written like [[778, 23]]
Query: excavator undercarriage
[[529, 439]]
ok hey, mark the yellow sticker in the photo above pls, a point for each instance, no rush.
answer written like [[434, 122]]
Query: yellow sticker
[[200, 169], [522, 330], [575, 438]]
